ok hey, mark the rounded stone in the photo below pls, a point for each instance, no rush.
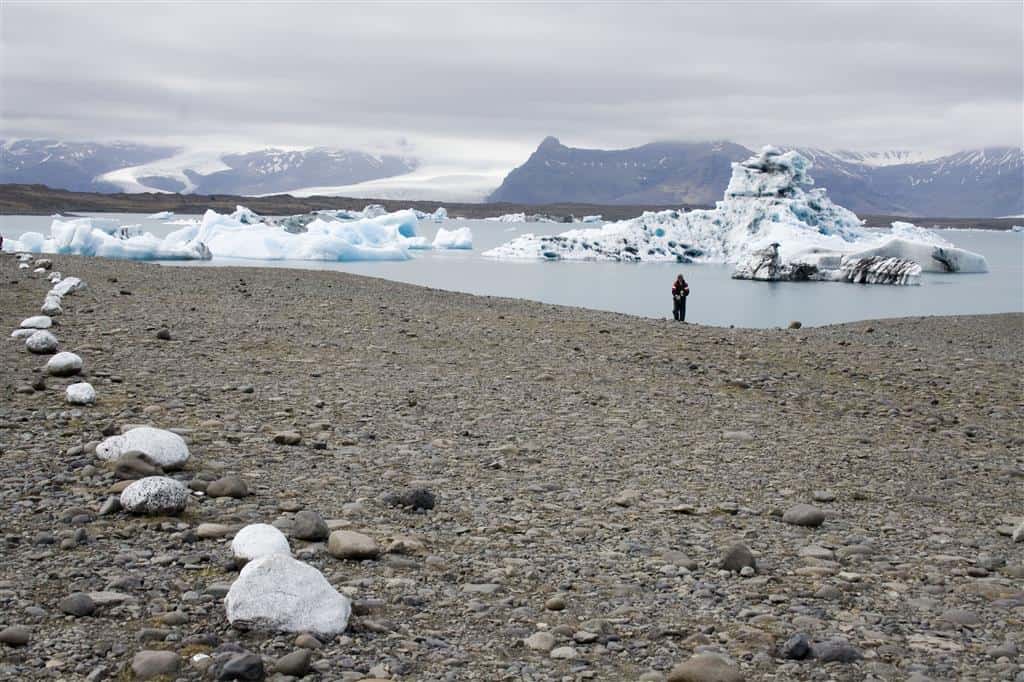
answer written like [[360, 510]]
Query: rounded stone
[[42, 342], [155, 495], [281, 594], [77, 604], [163, 447], [228, 486], [564, 653], [308, 525], [258, 540], [15, 636], [804, 515], [81, 393], [540, 641], [295, 664], [149, 664], [37, 322], [738, 557], [64, 364], [705, 668], [348, 544]]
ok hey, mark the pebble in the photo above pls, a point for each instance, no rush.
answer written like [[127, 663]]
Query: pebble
[[738, 557], [81, 393], [244, 666], [42, 343], [296, 664], [64, 364], [804, 515], [15, 635], [149, 664], [836, 650], [155, 495], [308, 525], [412, 498], [540, 641], [228, 486], [705, 668], [164, 334], [287, 438], [348, 544], [796, 648], [77, 604], [564, 653]]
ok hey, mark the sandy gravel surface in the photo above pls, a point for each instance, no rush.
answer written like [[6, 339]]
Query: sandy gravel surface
[[591, 471]]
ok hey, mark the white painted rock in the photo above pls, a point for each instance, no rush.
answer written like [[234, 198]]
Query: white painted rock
[[155, 495], [163, 447], [281, 594], [258, 540], [64, 364], [51, 306], [67, 286], [23, 333], [37, 322], [41, 342], [81, 393]]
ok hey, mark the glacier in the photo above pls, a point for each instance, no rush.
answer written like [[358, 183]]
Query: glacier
[[770, 200]]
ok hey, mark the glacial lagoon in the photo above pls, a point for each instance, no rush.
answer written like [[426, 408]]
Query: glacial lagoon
[[643, 288]]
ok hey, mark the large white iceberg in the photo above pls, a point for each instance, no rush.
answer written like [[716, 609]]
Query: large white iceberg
[[769, 201], [459, 238]]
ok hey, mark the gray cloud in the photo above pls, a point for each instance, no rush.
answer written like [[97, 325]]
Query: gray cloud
[[485, 82]]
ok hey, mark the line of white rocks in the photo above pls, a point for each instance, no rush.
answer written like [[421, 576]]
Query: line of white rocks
[[41, 341]]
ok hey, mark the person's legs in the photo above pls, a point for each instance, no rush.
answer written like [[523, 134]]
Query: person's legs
[[675, 309], [682, 309]]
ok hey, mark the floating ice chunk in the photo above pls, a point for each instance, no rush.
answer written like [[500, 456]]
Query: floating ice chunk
[[374, 211], [593, 218], [162, 215], [441, 214], [931, 257], [386, 237], [246, 216], [460, 238], [816, 265], [81, 393], [509, 218]]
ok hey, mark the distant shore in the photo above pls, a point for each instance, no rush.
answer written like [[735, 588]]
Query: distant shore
[[42, 200]]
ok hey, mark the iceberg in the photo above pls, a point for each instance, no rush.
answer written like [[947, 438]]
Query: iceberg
[[162, 215], [523, 218], [772, 223], [92, 237], [460, 238]]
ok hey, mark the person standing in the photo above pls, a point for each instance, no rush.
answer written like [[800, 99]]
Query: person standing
[[680, 290]]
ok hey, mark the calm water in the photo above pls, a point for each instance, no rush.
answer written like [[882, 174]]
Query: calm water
[[643, 288]]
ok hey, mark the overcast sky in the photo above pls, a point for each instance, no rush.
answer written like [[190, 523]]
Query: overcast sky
[[485, 83]]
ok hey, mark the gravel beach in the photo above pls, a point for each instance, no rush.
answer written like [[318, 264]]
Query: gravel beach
[[607, 497]]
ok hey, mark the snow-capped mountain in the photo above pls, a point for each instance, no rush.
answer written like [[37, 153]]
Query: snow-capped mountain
[[135, 168], [71, 165], [975, 183]]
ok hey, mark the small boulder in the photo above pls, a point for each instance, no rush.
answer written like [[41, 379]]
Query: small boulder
[[81, 393], [795, 324], [244, 666], [155, 495], [280, 594], [164, 334], [41, 342], [836, 650], [15, 636], [348, 544], [796, 648], [258, 540], [295, 664], [804, 515], [64, 364], [308, 525], [540, 641], [412, 498], [165, 448]]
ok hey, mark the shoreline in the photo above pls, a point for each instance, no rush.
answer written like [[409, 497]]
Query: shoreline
[[591, 470]]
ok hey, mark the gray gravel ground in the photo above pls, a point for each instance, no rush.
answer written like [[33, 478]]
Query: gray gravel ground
[[591, 470]]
